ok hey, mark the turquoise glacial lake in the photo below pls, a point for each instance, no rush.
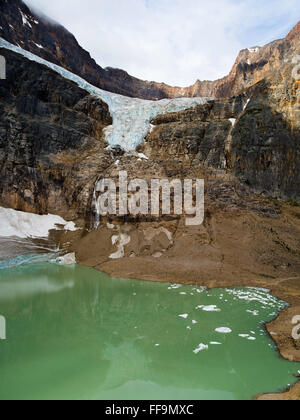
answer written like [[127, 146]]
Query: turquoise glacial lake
[[75, 333]]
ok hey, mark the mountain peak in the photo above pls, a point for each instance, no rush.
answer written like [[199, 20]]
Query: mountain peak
[[295, 32]]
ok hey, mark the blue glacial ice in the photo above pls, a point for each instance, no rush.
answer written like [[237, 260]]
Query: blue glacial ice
[[131, 116]]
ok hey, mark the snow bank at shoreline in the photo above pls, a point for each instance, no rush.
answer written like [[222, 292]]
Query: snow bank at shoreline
[[27, 225]]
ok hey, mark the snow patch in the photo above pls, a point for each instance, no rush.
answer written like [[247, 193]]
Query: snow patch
[[246, 104], [39, 46], [25, 20], [254, 49], [28, 225]]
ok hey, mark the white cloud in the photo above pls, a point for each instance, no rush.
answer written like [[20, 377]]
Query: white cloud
[[173, 41]]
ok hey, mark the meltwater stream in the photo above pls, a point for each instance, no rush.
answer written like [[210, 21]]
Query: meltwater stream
[[75, 333], [131, 117]]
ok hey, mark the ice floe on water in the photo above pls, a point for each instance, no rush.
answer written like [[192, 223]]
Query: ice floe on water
[[209, 308], [184, 316], [201, 347], [255, 313], [253, 294], [27, 225], [175, 286], [223, 330], [131, 116]]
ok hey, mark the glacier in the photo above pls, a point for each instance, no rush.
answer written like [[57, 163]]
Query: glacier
[[131, 116]]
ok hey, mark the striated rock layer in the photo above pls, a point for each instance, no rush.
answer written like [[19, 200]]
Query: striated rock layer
[[51, 140]]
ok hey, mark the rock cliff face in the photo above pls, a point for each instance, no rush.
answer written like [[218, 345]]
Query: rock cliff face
[[19, 25], [51, 41], [51, 140], [52, 148]]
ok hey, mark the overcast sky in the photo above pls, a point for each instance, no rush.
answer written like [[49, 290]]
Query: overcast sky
[[172, 41]]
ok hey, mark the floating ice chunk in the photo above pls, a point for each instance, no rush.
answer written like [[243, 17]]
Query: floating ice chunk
[[184, 316], [255, 313], [201, 347], [28, 225], [244, 335], [174, 286], [194, 322], [253, 294], [215, 343], [251, 338], [210, 308], [200, 290], [223, 330]]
